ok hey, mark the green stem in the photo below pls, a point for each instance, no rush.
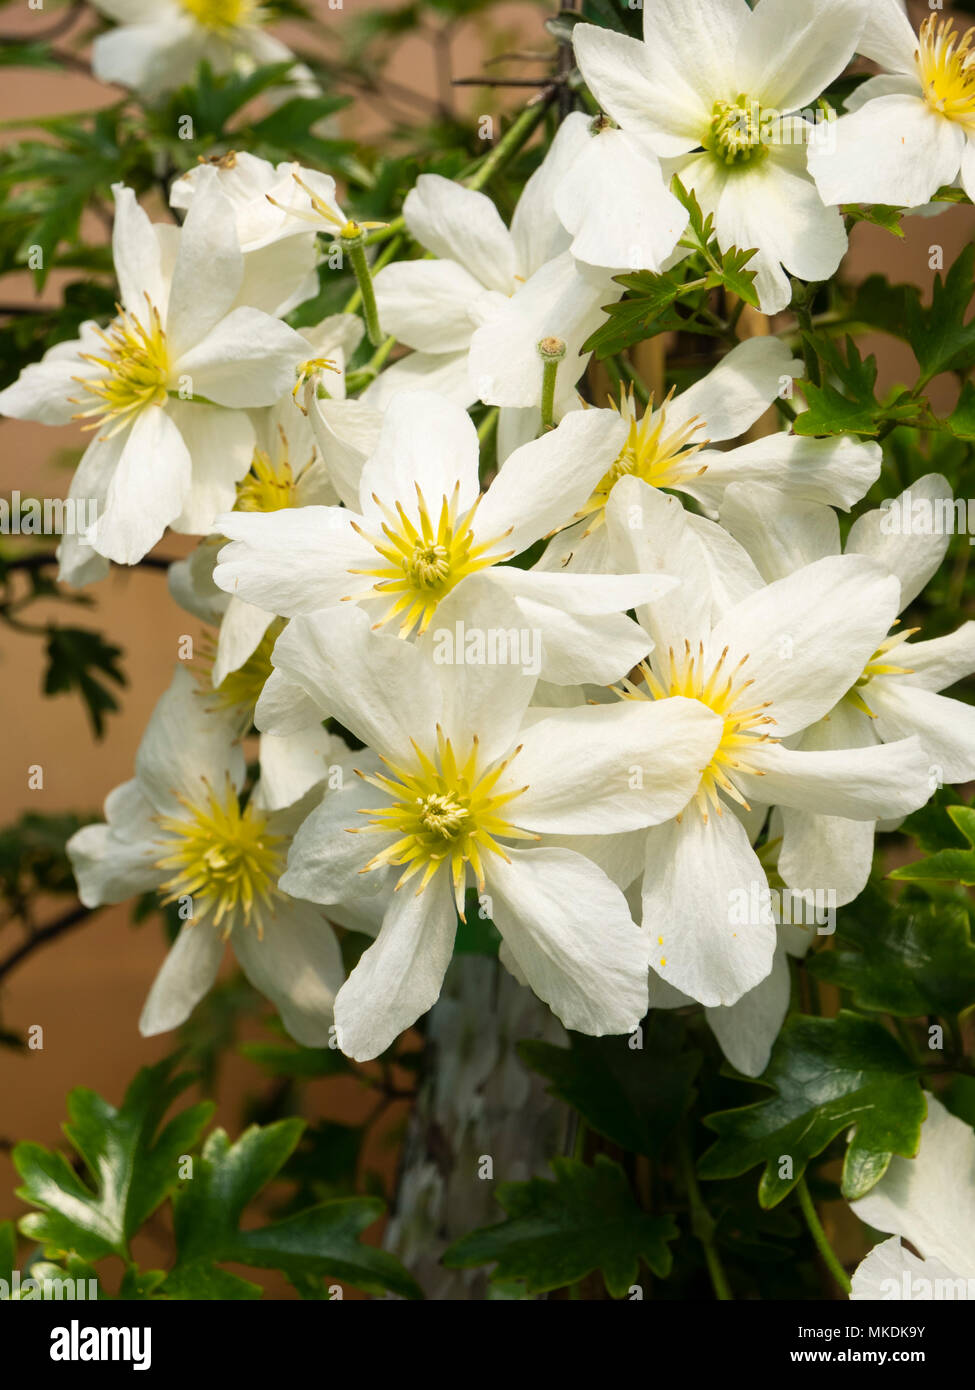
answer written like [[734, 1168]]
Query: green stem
[[511, 141], [819, 1236], [551, 351], [384, 257], [354, 246], [702, 1224], [364, 376]]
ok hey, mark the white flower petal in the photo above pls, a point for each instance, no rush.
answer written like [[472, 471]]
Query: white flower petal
[[930, 1199], [247, 360], [186, 746], [380, 688], [570, 934], [747, 1029], [462, 226], [564, 300], [791, 50], [780, 532], [536, 230], [221, 446], [427, 443], [544, 483], [135, 249], [298, 966], [694, 876], [808, 637], [894, 149], [735, 393], [641, 89], [427, 304], [891, 1271], [885, 779], [913, 558], [186, 976], [296, 560], [148, 488], [945, 727], [208, 272], [940, 662], [598, 769], [616, 205], [399, 977]]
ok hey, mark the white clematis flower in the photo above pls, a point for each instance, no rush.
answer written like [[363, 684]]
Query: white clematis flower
[[476, 314], [464, 776], [422, 529], [280, 251], [669, 448], [911, 130], [930, 1201], [287, 470], [714, 89], [160, 459], [178, 828], [895, 695], [769, 665], [159, 44]]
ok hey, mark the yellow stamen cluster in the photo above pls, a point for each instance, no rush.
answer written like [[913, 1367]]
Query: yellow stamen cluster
[[946, 66], [223, 858], [724, 692], [736, 134], [879, 665], [271, 484], [306, 371], [445, 811], [660, 456], [135, 371], [424, 559], [239, 689], [222, 15]]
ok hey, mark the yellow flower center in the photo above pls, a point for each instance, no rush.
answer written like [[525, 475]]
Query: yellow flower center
[[239, 689], [879, 665], [423, 560], [220, 14], [946, 66], [445, 811], [224, 860], [135, 371], [736, 134], [271, 485], [660, 456], [724, 692]]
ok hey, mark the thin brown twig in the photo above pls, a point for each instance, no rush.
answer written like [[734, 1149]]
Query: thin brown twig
[[43, 935]]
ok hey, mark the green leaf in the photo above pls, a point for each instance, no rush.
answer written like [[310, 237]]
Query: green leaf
[[829, 1075], [321, 1242], [558, 1232], [77, 658], [851, 407], [131, 1162], [947, 865], [961, 421], [879, 214], [939, 336], [728, 267], [633, 1097], [8, 1250], [918, 959], [286, 1059]]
